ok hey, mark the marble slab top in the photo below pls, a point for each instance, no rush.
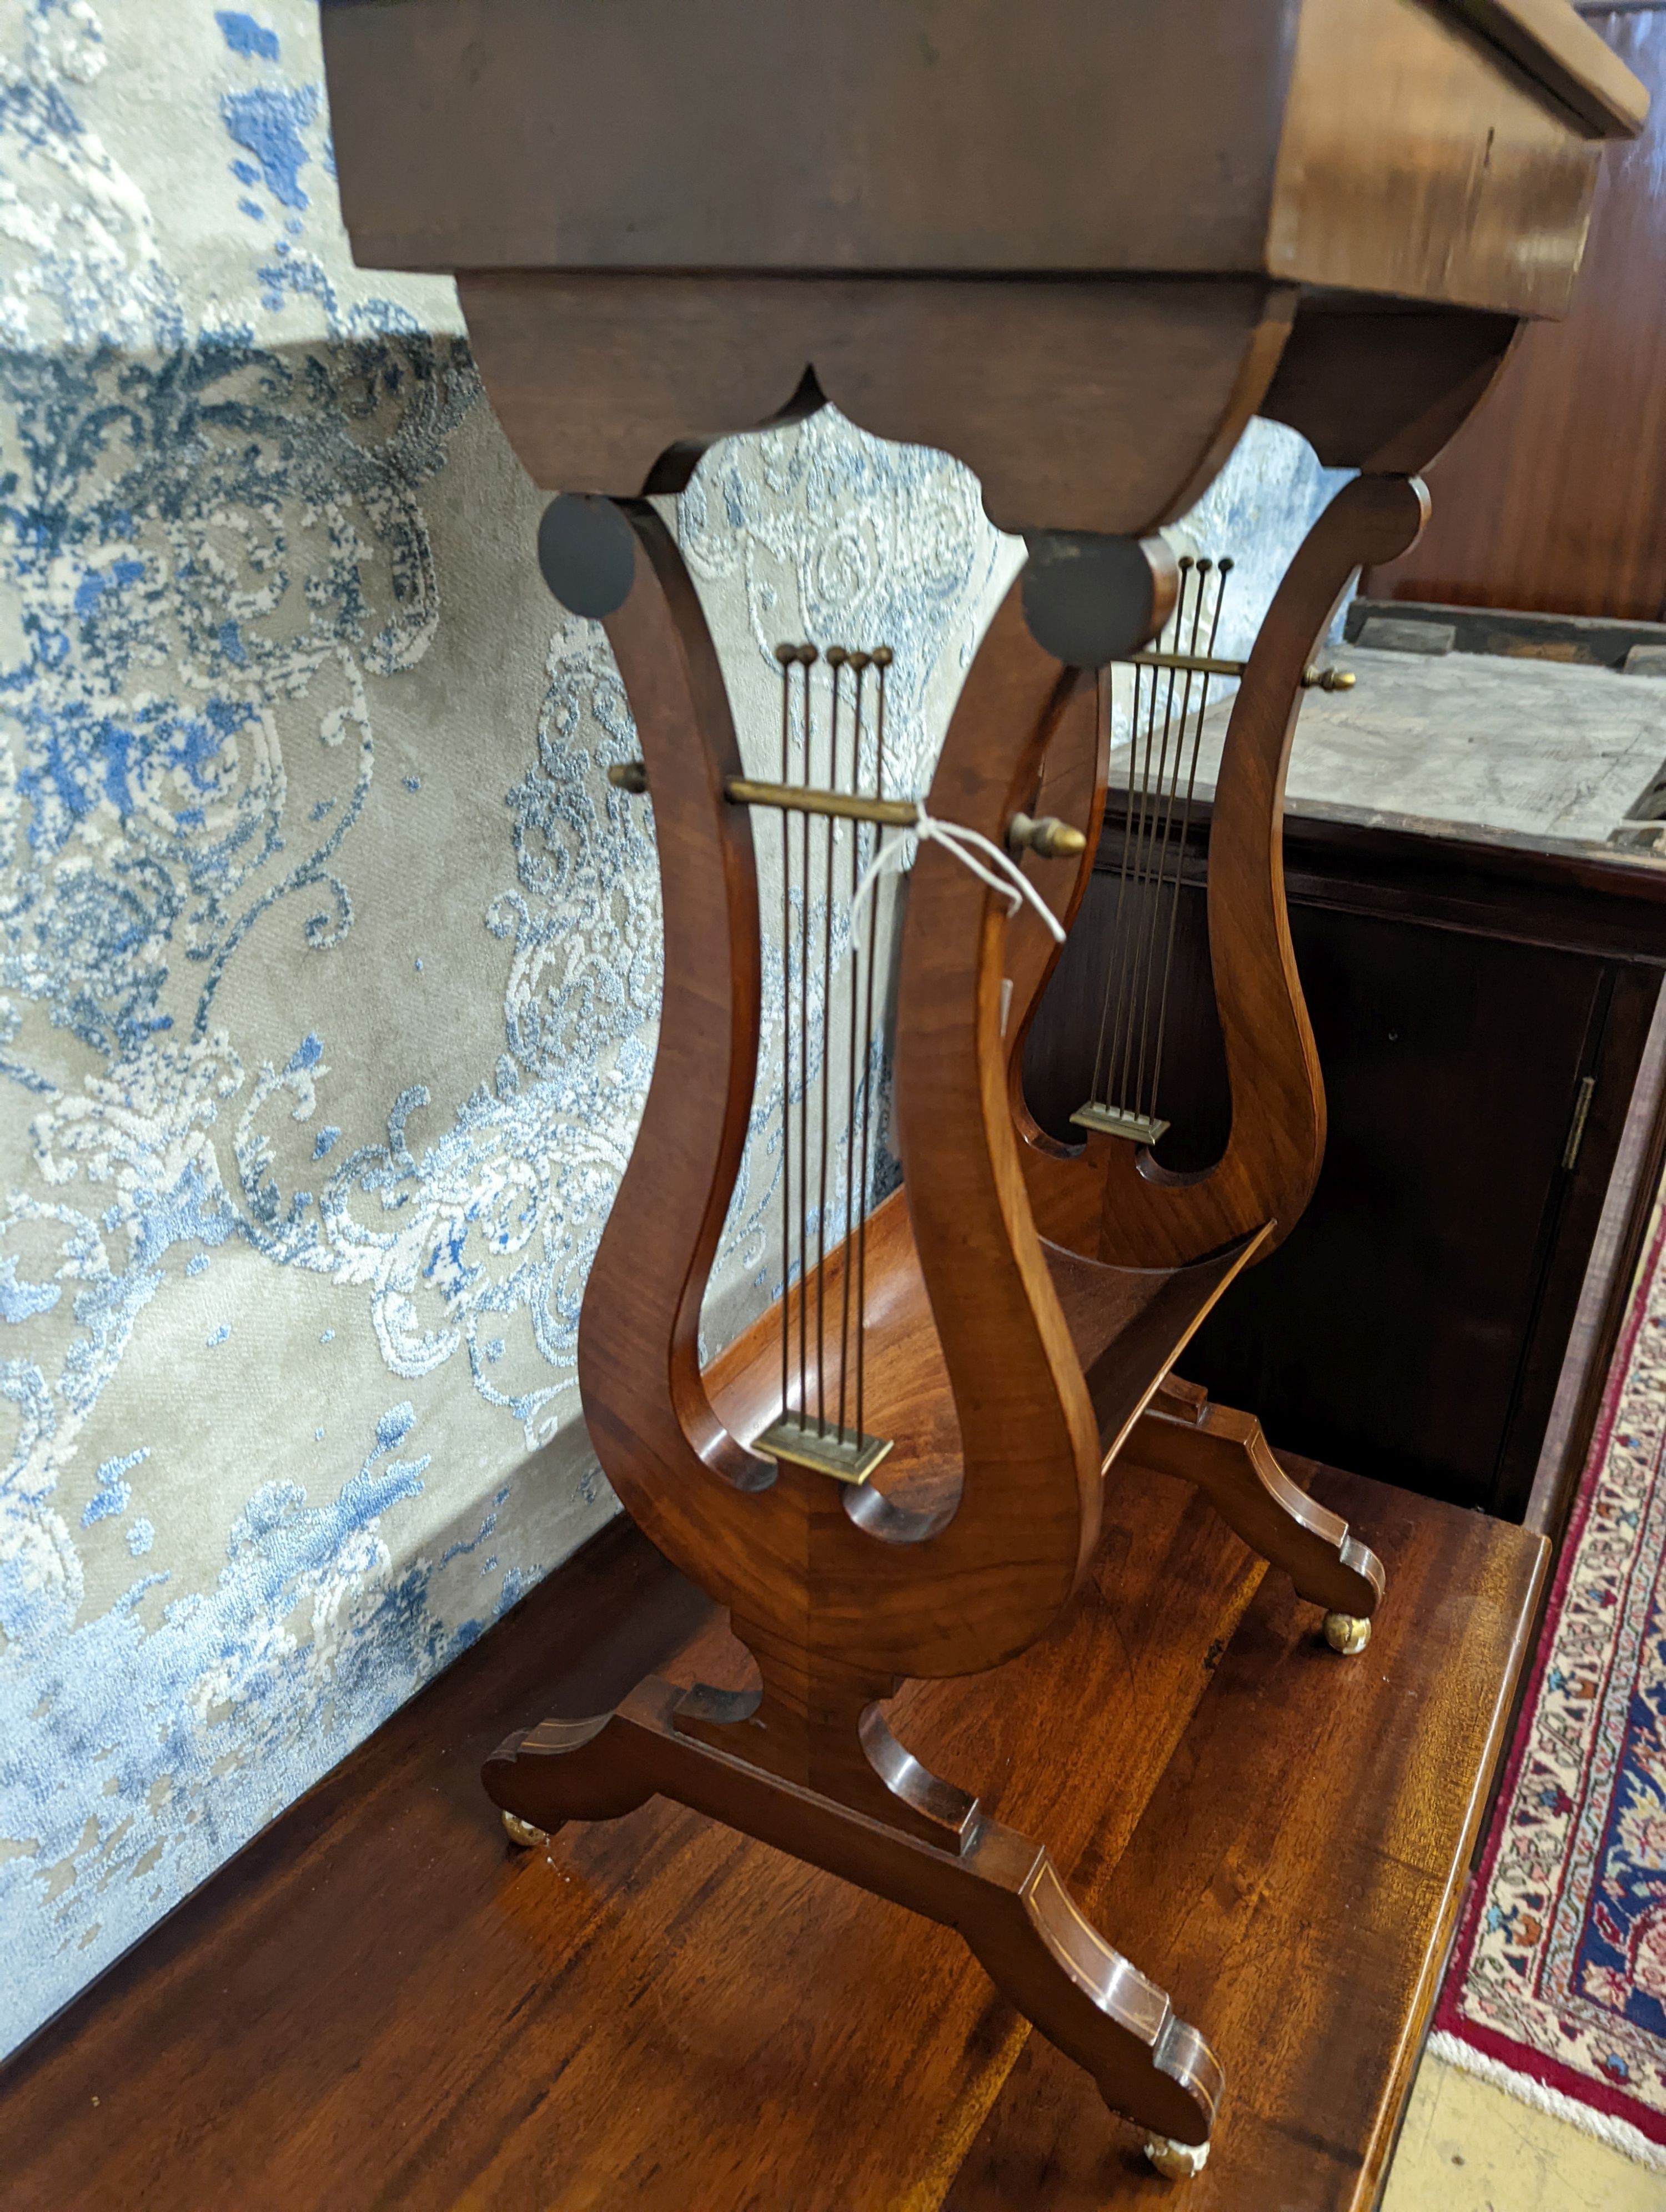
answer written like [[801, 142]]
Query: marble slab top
[[1469, 743]]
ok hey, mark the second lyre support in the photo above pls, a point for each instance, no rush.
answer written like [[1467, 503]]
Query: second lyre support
[[1108, 1195]]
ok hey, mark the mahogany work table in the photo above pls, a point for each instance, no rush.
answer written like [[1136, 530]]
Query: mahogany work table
[[380, 2001]]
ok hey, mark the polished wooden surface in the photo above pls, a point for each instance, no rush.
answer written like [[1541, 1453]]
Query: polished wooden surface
[[1226, 1454], [1046, 239], [381, 1992], [1079, 405], [1383, 385], [1410, 165], [503, 134], [996, 1887], [1553, 498], [1560, 55], [378, 2002]]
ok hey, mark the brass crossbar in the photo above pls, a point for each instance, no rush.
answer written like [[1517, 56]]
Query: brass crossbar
[[799, 799], [1190, 663]]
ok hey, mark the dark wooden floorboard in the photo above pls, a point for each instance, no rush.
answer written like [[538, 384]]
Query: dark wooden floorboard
[[380, 2003]]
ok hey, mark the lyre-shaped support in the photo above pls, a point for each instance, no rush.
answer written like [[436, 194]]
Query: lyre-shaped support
[[885, 1603], [840, 1592], [1109, 1198], [1112, 1199]]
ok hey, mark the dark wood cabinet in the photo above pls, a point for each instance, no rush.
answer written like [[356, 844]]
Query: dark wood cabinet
[[1484, 1009]]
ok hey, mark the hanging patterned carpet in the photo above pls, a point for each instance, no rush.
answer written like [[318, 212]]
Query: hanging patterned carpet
[[1557, 1989]]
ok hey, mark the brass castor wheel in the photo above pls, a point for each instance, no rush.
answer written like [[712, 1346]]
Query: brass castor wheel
[[1347, 1634], [1176, 2162], [523, 1832]]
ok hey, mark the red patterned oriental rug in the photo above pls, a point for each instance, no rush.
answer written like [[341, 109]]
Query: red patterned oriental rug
[[1556, 1988]]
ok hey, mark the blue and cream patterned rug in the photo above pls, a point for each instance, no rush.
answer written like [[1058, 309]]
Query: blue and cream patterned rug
[[1557, 1989]]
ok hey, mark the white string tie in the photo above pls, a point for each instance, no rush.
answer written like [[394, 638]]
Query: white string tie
[[997, 869]]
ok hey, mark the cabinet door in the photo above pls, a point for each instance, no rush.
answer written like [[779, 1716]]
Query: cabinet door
[[1388, 1334]]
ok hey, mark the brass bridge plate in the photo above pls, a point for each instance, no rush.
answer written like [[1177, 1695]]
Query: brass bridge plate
[[798, 1443], [1118, 1121]]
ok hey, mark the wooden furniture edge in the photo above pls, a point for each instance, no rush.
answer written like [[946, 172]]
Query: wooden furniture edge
[[1561, 894], [1605, 1294], [1564, 56], [1506, 1707]]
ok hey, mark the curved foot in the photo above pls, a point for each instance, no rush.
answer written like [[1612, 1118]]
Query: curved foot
[[563, 1770], [1176, 2162], [1225, 1454], [1041, 1951], [998, 1889], [1346, 1633]]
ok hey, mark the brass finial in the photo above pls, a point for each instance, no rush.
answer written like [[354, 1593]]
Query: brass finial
[[1049, 838], [883, 656], [837, 656]]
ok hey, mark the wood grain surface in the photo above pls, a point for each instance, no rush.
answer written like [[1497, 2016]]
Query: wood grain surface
[[1374, 144], [379, 2003], [1553, 497], [955, 225]]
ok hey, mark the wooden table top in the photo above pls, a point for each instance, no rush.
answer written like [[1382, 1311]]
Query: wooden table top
[[380, 2003]]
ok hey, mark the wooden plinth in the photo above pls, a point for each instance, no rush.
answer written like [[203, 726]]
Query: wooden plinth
[[380, 2002]]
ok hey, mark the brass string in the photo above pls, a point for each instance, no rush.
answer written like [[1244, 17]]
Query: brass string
[[804, 1067], [797, 1041], [837, 659], [1168, 786], [859, 662], [787, 656], [1101, 1067], [1159, 797], [1221, 575], [1129, 940], [882, 660]]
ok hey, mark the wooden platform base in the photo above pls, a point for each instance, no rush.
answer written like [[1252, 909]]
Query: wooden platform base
[[382, 2001]]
